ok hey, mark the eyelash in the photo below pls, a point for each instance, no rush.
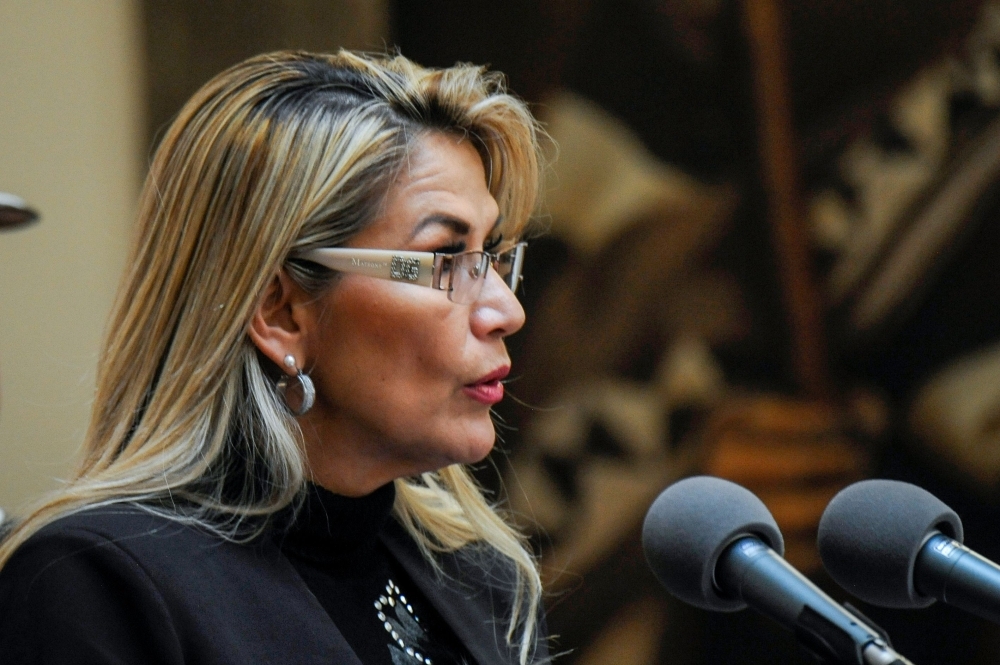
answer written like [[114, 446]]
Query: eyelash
[[454, 248], [459, 247]]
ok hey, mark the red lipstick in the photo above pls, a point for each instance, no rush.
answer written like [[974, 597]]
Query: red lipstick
[[488, 390]]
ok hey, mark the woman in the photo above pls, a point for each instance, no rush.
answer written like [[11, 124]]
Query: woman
[[309, 338]]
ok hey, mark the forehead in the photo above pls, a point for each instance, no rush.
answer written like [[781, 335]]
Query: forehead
[[441, 188]]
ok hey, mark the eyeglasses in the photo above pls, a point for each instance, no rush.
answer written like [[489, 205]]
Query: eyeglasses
[[461, 275]]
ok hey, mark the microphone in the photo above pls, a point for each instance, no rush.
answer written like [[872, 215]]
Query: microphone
[[893, 544], [14, 211], [714, 545]]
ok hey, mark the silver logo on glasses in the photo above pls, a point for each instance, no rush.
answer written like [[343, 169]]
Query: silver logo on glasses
[[403, 268]]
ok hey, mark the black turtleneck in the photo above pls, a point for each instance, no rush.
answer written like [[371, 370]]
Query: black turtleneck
[[335, 545]]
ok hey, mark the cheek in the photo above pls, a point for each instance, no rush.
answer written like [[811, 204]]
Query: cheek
[[389, 346], [389, 371]]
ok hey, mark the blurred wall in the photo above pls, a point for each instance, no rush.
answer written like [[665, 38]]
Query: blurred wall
[[71, 133], [189, 41]]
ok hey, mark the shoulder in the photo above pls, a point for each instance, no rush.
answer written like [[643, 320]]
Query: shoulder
[[144, 587], [71, 591], [106, 534], [135, 545], [122, 523], [122, 544], [125, 537]]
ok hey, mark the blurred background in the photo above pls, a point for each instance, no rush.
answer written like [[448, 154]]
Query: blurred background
[[767, 253]]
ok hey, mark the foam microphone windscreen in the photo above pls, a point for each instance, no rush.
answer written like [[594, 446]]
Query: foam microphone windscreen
[[871, 533], [689, 526]]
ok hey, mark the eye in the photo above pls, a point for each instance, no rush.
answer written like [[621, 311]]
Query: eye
[[492, 243], [453, 248]]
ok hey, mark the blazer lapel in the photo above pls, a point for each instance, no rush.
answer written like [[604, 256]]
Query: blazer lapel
[[334, 643], [470, 608]]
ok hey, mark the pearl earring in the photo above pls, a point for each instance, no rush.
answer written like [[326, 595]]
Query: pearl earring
[[308, 397]]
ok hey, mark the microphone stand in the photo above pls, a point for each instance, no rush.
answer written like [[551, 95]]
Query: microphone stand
[[832, 633]]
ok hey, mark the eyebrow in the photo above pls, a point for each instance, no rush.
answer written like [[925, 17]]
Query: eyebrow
[[459, 226]]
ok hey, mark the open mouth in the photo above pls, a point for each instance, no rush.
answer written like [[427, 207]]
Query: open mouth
[[489, 389]]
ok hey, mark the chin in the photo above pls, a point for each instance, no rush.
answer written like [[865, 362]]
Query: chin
[[476, 444]]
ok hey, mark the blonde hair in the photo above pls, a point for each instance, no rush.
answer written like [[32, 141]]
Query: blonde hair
[[276, 156]]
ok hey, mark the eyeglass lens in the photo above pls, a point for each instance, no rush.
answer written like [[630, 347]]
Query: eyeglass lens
[[468, 272]]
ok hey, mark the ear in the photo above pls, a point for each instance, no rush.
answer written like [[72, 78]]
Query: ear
[[279, 324]]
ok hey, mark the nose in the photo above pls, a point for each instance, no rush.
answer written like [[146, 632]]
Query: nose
[[496, 312]]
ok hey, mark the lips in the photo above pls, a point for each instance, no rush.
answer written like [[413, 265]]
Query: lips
[[488, 389]]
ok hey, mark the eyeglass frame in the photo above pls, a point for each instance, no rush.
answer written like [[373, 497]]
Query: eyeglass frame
[[419, 268]]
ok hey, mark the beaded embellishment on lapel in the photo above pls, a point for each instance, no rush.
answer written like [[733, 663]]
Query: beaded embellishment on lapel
[[409, 639]]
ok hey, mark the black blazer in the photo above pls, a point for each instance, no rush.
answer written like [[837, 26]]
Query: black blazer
[[120, 585]]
